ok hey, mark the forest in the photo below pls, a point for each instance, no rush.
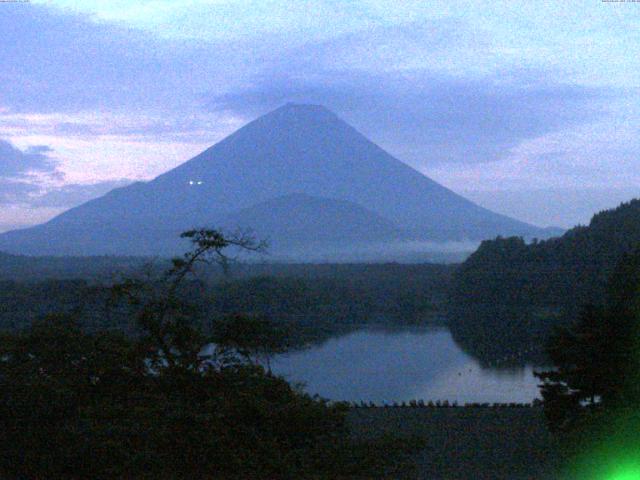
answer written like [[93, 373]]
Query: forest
[[509, 295], [312, 301]]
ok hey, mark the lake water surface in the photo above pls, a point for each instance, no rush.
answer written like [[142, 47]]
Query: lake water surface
[[400, 365]]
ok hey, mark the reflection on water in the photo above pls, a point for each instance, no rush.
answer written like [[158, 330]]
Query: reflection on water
[[401, 365]]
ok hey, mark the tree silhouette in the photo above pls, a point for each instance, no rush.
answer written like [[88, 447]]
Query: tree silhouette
[[597, 360], [165, 318]]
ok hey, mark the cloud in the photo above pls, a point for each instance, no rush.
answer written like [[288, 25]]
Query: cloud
[[16, 192], [432, 91], [75, 194], [15, 163], [561, 207], [31, 195], [30, 177], [57, 61], [428, 118]]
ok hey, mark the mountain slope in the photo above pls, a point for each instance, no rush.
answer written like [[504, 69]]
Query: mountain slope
[[294, 149]]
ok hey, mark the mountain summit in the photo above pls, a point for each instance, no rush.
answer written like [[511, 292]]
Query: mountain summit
[[295, 149]]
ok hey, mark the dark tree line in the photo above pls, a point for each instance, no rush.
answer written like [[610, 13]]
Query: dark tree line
[[312, 300], [522, 291]]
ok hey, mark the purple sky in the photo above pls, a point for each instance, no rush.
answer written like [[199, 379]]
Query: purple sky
[[529, 108]]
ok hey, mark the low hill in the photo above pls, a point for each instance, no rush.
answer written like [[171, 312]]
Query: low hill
[[508, 295], [299, 219]]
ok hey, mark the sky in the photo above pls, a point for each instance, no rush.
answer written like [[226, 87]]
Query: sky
[[528, 108]]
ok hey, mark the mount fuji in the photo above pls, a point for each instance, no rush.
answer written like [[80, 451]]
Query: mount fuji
[[297, 174]]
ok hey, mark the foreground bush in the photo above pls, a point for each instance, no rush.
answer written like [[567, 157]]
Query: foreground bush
[[75, 405]]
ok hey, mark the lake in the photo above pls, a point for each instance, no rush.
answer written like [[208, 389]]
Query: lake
[[402, 364]]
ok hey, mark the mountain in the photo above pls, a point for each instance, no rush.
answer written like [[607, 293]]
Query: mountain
[[508, 295], [294, 149], [298, 219]]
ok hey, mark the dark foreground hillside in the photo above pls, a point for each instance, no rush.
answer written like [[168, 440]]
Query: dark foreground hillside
[[508, 295], [466, 443]]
